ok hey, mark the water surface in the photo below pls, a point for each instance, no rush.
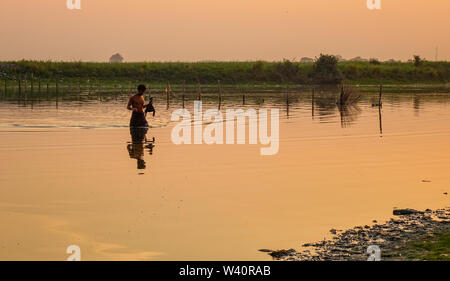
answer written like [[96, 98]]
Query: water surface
[[71, 174]]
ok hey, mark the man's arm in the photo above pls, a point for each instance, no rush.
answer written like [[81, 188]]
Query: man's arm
[[130, 104]]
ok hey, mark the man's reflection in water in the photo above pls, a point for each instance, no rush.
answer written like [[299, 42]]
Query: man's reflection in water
[[139, 144]]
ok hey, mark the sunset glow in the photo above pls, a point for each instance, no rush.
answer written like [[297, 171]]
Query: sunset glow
[[179, 30]]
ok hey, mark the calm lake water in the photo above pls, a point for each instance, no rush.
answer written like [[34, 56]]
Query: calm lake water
[[70, 175]]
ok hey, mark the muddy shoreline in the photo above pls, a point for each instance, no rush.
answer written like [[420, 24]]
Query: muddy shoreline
[[393, 237]]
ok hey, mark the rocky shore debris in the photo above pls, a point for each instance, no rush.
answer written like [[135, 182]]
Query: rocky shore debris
[[282, 253], [265, 250], [405, 212], [391, 237]]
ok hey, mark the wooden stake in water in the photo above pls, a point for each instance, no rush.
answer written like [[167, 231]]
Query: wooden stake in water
[[220, 93], [20, 89], [116, 91], [341, 97], [312, 102], [25, 89], [5, 88], [25, 85], [57, 91], [287, 101], [380, 104], [32, 84], [168, 90], [184, 90], [220, 90], [380, 120], [39, 89], [48, 91], [199, 90]]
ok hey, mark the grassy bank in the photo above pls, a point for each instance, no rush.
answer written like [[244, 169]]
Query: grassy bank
[[434, 248], [228, 72]]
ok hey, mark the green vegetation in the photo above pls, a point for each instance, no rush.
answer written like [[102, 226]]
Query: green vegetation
[[418, 61], [374, 61], [325, 70], [434, 248]]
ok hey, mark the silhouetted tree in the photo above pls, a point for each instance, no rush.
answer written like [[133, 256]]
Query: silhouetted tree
[[418, 61], [116, 58], [325, 70]]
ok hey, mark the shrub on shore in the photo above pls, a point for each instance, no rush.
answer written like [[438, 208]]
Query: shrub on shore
[[418, 61], [325, 70]]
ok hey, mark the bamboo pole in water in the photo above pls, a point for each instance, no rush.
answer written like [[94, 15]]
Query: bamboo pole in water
[[312, 102], [48, 91], [6, 91]]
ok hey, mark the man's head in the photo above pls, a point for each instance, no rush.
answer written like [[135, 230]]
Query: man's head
[[141, 89]]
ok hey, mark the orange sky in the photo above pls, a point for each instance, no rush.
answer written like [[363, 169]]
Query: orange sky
[[192, 30]]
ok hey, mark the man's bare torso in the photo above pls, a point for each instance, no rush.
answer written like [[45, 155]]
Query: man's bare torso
[[136, 103]]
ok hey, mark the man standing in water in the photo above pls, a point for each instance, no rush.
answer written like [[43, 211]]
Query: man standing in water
[[136, 104]]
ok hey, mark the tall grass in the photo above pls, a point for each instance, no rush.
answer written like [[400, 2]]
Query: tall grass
[[228, 72], [349, 95]]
